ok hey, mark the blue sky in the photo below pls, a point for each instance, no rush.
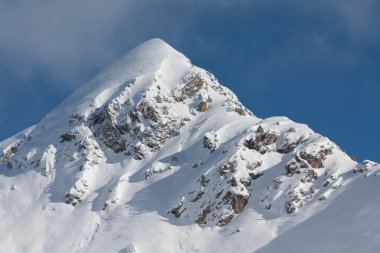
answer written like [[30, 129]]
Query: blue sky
[[317, 62]]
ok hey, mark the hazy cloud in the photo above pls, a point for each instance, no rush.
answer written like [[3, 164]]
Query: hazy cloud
[[65, 39], [58, 35], [361, 19]]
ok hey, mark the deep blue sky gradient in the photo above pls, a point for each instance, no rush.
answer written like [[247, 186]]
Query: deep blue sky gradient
[[316, 62]]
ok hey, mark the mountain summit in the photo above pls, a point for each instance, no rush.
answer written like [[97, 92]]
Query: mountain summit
[[154, 155]]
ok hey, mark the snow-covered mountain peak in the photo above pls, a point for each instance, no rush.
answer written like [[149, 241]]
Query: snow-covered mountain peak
[[148, 61], [154, 50], [158, 146]]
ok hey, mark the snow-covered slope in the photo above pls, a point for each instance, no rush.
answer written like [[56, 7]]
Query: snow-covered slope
[[154, 155]]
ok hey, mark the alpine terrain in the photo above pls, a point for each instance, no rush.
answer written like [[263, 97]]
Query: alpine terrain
[[154, 155]]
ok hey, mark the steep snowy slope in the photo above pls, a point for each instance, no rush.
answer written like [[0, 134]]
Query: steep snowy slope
[[154, 155]]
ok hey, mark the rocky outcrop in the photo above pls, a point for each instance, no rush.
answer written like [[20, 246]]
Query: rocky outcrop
[[316, 161], [202, 107], [292, 168], [291, 205], [262, 140], [67, 137], [122, 127], [192, 86], [210, 141], [288, 147], [365, 166], [8, 153]]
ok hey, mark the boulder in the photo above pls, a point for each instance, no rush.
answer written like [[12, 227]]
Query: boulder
[[202, 107]]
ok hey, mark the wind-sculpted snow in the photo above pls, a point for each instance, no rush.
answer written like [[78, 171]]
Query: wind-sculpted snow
[[154, 155]]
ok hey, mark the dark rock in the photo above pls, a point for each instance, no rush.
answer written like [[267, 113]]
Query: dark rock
[[7, 154], [254, 143], [255, 176], [261, 139], [246, 181], [9, 165], [147, 110], [292, 168], [218, 194], [233, 182], [225, 220], [209, 143], [191, 88], [126, 128], [202, 217], [198, 197], [237, 202], [310, 176], [176, 210], [202, 107], [318, 160], [276, 183], [270, 138], [67, 137], [13, 149], [240, 110], [204, 181], [290, 207], [228, 167], [72, 199], [287, 148], [111, 137]]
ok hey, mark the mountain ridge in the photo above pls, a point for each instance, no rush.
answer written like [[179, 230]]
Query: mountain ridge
[[154, 137]]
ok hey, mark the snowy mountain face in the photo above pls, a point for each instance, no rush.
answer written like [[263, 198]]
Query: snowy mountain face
[[154, 155]]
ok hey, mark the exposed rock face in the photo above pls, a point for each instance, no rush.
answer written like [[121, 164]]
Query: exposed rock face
[[120, 127], [226, 187], [237, 202], [262, 140], [193, 85], [316, 161]]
